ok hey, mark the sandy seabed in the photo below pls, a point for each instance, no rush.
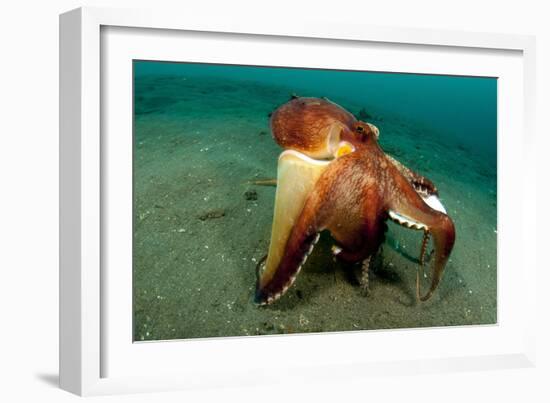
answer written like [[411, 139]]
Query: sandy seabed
[[200, 226]]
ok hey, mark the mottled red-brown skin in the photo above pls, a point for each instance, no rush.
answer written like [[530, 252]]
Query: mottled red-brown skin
[[303, 124], [352, 199]]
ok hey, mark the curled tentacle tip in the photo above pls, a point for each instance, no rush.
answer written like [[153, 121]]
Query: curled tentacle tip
[[420, 298]]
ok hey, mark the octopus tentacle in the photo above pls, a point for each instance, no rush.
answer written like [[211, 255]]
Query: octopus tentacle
[[302, 204], [298, 249], [421, 184], [409, 208], [425, 240], [358, 229], [296, 176], [303, 237], [364, 280]]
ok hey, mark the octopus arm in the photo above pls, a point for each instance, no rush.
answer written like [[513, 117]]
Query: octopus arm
[[421, 184], [296, 178], [408, 209]]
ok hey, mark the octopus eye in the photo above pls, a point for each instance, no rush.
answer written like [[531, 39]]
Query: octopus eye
[[359, 129]]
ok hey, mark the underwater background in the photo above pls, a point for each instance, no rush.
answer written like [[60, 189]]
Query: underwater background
[[201, 139]]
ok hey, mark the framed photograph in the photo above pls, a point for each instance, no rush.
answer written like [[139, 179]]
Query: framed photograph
[[246, 204]]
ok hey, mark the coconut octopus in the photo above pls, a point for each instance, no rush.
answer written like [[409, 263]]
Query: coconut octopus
[[333, 175]]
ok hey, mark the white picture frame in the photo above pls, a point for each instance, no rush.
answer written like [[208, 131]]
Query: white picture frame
[[85, 343]]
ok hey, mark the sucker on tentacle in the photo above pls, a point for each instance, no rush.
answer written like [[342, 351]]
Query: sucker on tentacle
[[421, 184], [292, 278], [406, 222], [423, 247]]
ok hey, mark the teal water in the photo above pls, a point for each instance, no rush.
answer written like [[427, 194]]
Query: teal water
[[463, 108], [201, 135]]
